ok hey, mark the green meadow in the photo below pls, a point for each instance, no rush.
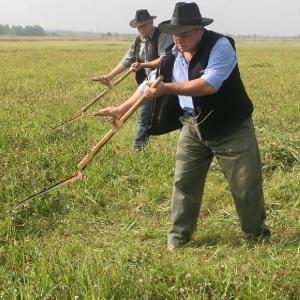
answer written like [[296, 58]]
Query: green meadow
[[104, 236]]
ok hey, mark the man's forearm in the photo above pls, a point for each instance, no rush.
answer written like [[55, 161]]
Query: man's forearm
[[194, 88], [129, 102], [150, 64], [117, 70]]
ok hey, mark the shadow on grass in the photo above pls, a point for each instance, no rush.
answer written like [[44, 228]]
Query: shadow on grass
[[290, 238], [215, 239]]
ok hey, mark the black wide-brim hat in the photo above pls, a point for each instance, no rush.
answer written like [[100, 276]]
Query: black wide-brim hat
[[186, 17], [142, 17]]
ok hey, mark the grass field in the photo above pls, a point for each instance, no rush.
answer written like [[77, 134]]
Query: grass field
[[103, 237]]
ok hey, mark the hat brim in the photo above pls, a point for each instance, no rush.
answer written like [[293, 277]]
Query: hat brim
[[134, 24], [168, 28]]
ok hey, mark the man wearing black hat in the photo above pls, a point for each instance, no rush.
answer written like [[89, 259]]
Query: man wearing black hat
[[142, 57], [203, 95]]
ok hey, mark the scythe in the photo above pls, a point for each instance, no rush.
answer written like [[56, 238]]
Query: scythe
[[88, 158]]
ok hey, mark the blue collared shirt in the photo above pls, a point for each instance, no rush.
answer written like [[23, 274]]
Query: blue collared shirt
[[221, 62]]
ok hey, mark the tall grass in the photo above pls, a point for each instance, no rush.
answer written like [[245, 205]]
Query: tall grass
[[103, 237]]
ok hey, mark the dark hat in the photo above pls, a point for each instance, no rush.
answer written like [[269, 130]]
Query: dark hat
[[142, 17], [186, 17]]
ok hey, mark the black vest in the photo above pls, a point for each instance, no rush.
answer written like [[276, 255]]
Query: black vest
[[140, 75], [217, 113]]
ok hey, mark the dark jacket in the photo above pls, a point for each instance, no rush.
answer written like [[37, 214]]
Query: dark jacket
[[217, 113]]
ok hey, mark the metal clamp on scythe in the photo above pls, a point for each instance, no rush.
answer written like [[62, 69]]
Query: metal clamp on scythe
[[91, 154]]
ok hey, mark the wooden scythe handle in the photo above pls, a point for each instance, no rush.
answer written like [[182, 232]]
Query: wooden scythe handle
[[111, 132], [106, 91]]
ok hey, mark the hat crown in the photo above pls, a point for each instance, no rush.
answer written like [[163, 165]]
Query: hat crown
[[142, 15], [186, 17], [186, 14]]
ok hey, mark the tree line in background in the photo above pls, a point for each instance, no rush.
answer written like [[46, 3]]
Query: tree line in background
[[35, 30], [72, 33]]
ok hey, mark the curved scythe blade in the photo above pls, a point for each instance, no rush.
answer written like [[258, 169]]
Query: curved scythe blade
[[56, 185], [75, 118]]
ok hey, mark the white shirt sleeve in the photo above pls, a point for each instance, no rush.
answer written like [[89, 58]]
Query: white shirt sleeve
[[143, 85]]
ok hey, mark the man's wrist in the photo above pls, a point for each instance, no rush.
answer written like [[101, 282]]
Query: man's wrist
[[110, 76], [167, 88], [143, 65], [120, 111]]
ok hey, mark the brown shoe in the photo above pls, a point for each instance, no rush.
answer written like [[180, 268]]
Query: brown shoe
[[171, 248]]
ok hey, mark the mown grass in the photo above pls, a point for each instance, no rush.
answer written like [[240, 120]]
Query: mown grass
[[103, 237]]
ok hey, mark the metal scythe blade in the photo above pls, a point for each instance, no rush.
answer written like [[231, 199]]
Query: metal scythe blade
[[69, 121], [63, 182]]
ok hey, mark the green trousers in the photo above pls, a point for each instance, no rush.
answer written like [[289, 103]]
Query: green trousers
[[238, 155]]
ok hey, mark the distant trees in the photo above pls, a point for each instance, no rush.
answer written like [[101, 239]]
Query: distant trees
[[4, 29], [35, 30]]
